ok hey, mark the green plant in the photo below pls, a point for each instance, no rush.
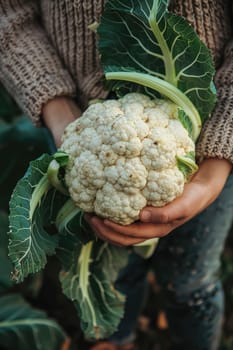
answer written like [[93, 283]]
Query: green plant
[[22, 327]]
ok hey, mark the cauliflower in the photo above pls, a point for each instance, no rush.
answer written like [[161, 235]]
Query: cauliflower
[[123, 156]]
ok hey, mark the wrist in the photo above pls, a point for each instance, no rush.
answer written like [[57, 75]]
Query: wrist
[[57, 114], [214, 171]]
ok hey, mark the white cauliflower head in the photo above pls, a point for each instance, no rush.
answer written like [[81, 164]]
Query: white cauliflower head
[[123, 156]]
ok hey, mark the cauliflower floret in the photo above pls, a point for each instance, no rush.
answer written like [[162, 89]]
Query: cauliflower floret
[[126, 136], [156, 117], [107, 156], [168, 107], [130, 149], [123, 156], [82, 196], [159, 149], [91, 140], [163, 186], [183, 141], [139, 124], [119, 207], [127, 175], [89, 170], [134, 97], [122, 130]]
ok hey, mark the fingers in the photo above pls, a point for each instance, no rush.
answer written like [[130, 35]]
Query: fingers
[[126, 235], [140, 229], [106, 233], [57, 113]]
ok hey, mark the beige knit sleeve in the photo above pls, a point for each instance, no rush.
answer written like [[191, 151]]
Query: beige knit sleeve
[[216, 139], [30, 68]]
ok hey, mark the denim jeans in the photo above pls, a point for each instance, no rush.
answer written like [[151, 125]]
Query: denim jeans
[[186, 265]]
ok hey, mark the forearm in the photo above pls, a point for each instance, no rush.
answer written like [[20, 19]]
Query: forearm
[[57, 114], [30, 67], [213, 174]]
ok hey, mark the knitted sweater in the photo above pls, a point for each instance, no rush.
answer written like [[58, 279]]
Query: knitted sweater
[[47, 50]]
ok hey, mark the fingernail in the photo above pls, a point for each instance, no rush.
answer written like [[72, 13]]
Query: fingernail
[[145, 216]]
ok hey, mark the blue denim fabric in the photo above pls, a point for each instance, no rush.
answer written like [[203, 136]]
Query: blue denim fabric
[[186, 264]]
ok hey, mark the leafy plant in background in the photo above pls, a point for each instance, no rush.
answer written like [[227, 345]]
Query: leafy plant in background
[[227, 279], [22, 326]]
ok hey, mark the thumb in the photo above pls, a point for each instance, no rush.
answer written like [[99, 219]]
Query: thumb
[[163, 215]]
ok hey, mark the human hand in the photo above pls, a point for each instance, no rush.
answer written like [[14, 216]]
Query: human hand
[[198, 194], [57, 114]]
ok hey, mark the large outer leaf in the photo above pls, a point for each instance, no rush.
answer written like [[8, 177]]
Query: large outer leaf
[[33, 207], [88, 280], [143, 36], [89, 269], [25, 328]]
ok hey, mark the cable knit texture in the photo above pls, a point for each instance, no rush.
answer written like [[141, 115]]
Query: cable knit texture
[[47, 50]]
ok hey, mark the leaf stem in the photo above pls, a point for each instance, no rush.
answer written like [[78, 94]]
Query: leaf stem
[[84, 261], [67, 212], [170, 74], [52, 175], [166, 89], [187, 166], [40, 190]]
